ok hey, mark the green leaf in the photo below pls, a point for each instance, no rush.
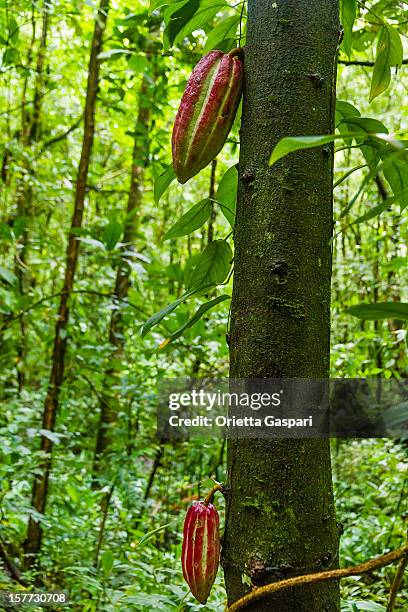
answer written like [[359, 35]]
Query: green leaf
[[112, 53], [226, 29], [19, 225], [7, 275], [73, 492], [176, 17], [156, 4], [137, 63], [192, 220], [147, 536], [227, 194], [396, 416], [380, 310], [348, 11], [111, 235], [163, 181], [377, 210], [365, 125], [395, 169], [213, 265], [107, 560], [289, 144], [389, 53], [373, 212], [196, 317], [159, 316], [190, 17], [344, 110], [51, 435]]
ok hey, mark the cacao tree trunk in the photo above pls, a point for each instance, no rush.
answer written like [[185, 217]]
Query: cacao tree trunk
[[108, 405], [32, 543], [280, 518]]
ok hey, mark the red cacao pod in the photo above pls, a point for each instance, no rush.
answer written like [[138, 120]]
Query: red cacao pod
[[207, 111], [201, 549]]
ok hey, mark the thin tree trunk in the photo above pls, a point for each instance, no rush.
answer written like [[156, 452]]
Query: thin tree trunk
[[108, 405], [32, 544], [280, 518], [30, 131]]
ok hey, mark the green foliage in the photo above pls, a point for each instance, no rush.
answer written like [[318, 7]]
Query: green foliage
[[115, 543], [191, 220], [227, 194], [213, 265], [386, 310], [348, 12], [389, 53]]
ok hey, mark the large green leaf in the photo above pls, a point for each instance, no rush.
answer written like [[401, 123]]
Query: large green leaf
[[290, 144], [365, 125], [373, 212], [181, 20], [380, 310], [111, 234], [176, 17], [344, 110], [159, 316], [226, 29], [107, 561], [380, 208], [213, 265], [395, 169], [227, 194], [204, 15], [192, 220], [7, 275], [389, 53], [163, 181], [197, 315], [348, 11]]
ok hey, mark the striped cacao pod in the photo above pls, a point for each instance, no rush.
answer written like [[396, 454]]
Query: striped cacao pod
[[201, 549], [207, 111]]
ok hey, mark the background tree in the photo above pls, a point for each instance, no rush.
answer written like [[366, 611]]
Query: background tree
[[40, 487]]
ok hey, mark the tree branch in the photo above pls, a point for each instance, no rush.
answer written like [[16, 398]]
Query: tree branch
[[54, 295], [397, 583], [60, 137], [362, 62], [356, 570]]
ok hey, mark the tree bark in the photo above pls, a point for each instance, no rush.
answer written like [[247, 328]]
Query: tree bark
[[280, 518], [108, 405], [32, 544]]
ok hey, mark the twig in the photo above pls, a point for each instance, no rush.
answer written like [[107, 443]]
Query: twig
[[105, 509], [362, 62], [397, 582], [356, 570], [60, 137], [54, 295]]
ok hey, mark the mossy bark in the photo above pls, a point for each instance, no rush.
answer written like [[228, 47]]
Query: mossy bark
[[280, 511]]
